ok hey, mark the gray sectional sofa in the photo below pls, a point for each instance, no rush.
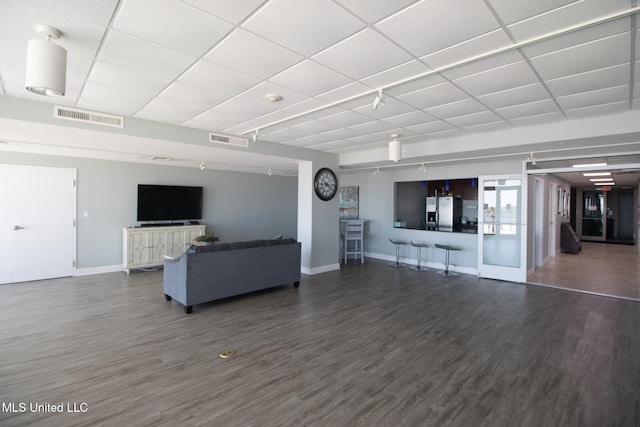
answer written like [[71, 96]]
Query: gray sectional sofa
[[208, 273]]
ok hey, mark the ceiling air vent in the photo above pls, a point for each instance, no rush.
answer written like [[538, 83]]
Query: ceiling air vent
[[76, 115], [229, 140]]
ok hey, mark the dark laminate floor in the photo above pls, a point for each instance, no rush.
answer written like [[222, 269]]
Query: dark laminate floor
[[367, 345]]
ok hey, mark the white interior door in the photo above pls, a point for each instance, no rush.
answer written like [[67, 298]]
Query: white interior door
[[553, 212], [502, 227], [39, 223]]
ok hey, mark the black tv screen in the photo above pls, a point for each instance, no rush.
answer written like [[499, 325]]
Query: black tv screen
[[169, 202]]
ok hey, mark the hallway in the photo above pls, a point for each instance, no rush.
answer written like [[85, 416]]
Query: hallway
[[601, 268]]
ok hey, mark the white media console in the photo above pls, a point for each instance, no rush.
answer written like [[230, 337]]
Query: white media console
[[146, 246]]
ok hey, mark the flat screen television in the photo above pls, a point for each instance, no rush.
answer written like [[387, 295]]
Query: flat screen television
[[169, 202]]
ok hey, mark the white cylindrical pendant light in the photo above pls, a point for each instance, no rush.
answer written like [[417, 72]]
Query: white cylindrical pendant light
[[46, 65], [395, 149]]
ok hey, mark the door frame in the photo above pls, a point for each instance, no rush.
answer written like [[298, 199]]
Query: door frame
[[513, 274], [74, 202]]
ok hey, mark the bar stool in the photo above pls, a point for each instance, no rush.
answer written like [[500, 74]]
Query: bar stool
[[397, 264], [419, 246], [447, 248], [353, 232]]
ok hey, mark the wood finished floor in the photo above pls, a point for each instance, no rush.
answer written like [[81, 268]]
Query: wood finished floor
[[603, 268], [366, 345]]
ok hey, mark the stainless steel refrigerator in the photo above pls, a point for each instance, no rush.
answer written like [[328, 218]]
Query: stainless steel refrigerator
[[443, 213]]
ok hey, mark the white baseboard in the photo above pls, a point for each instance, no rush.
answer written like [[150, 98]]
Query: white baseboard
[[97, 270], [318, 270]]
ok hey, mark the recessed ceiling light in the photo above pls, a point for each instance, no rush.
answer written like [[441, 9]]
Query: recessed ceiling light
[[597, 174], [589, 165], [600, 179], [604, 183]]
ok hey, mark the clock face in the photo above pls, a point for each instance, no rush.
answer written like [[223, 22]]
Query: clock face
[[325, 184]]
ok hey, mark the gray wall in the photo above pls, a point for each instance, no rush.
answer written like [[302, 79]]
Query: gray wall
[[377, 207], [237, 206]]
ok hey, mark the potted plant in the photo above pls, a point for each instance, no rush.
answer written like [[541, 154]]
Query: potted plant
[[206, 239]]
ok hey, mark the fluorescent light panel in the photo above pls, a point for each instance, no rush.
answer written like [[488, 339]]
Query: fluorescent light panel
[[604, 183], [600, 179], [597, 174], [589, 165]]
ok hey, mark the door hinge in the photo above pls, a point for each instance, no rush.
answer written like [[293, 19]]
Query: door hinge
[[74, 182], [74, 223], [74, 263]]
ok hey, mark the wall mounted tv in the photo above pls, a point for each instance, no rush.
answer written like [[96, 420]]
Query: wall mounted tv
[[169, 202]]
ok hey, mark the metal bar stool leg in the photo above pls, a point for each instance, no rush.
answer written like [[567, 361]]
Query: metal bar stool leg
[[397, 264]]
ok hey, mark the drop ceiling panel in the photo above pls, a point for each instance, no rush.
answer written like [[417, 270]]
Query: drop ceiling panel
[[575, 13], [410, 119], [374, 10], [537, 119], [589, 81], [395, 74], [179, 103], [509, 76], [100, 12], [123, 89], [576, 38], [218, 79], [458, 108], [18, 20], [171, 23], [362, 55], [468, 49], [523, 94], [598, 110], [257, 95], [431, 127], [141, 55], [310, 78], [412, 26], [230, 10], [530, 109], [344, 92], [513, 11], [252, 55], [392, 107], [317, 24], [590, 56], [228, 114], [433, 96], [374, 127], [484, 64], [474, 119], [346, 118]]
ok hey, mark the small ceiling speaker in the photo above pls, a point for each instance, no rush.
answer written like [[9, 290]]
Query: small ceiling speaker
[[46, 64], [395, 149]]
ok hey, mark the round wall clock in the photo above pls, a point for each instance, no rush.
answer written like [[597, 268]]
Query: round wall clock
[[326, 184]]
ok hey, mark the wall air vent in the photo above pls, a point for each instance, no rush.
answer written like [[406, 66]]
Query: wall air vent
[[229, 140], [84, 116]]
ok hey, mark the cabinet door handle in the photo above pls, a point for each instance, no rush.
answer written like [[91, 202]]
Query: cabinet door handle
[[17, 227]]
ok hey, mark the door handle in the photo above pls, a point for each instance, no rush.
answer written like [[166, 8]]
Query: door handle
[[17, 227]]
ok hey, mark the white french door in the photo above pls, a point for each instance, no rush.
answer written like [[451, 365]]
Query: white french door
[[37, 219], [502, 227]]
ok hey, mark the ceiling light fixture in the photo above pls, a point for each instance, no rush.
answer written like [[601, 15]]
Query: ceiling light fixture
[[377, 171], [597, 174], [589, 165], [46, 64], [395, 149], [378, 101], [203, 166], [422, 168], [269, 172], [604, 183], [254, 137], [272, 97]]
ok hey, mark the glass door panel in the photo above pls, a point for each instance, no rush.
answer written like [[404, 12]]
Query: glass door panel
[[502, 240], [593, 205]]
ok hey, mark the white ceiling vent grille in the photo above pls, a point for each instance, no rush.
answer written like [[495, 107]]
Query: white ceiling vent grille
[[229, 140], [76, 115]]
